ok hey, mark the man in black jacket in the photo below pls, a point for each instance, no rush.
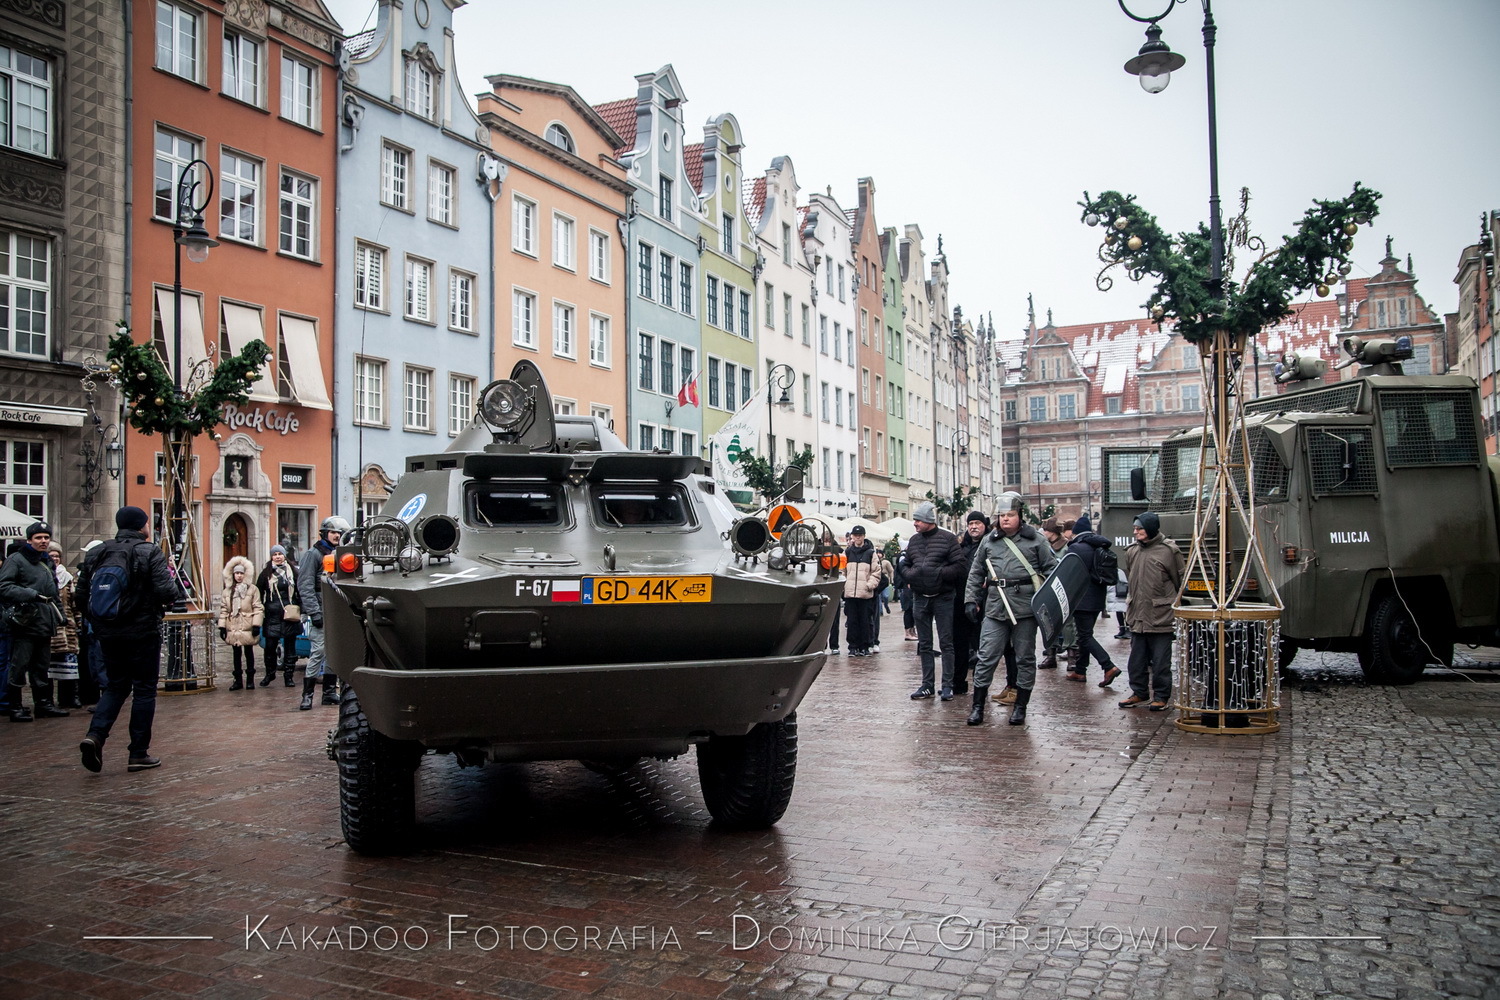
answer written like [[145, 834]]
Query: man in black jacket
[[965, 632], [935, 569], [29, 587], [130, 640], [1087, 544]]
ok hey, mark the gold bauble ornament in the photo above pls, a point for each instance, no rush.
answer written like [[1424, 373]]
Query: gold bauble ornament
[[159, 401], [1322, 290], [1134, 243], [114, 367], [1157, 312], [1350, 229], [1121, 222]]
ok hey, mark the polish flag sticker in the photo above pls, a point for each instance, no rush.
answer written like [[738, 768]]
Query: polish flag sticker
[[565, 592]]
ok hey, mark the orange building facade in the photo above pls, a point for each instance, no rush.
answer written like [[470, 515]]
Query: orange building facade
[[246, 95], [560, 274]]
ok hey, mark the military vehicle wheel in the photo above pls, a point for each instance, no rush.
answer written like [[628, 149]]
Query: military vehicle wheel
[[747, 780], [377, 783], [1394, 652]]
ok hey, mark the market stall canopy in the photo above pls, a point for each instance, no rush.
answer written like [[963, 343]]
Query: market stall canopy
[[13, 523]]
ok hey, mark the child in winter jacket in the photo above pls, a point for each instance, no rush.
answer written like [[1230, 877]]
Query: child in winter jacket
[[240, 616]]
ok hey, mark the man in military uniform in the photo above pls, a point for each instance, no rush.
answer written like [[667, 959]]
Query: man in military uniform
[[1009, 564]]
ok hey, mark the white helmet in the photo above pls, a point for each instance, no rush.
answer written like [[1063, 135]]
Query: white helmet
[[1007, 502], [333, 523]]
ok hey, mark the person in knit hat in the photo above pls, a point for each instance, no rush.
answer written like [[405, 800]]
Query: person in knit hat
[[1153, 569], [28, 591]]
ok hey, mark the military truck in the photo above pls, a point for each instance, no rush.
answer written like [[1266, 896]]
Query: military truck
[[540, 592], [1375, 507]]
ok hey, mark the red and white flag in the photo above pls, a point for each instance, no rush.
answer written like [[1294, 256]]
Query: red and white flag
[[565, 592], [688, 394]]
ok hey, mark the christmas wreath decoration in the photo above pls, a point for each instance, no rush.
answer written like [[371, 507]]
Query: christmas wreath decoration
[[152, 402], [1315, 256]]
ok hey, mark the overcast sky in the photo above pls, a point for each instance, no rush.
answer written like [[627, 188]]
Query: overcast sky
[[985, 120]]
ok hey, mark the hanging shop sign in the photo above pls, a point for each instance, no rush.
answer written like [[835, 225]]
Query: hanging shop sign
[[256, 418]]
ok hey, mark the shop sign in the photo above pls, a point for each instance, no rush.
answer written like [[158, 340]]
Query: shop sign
[[297, 477], [40, 416], [258, 419]]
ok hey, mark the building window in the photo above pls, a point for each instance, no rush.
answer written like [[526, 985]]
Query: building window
[[559, 137], [1067, 407], [564, 332], [419, 90], [1067, 465], [646, 373], [668, 382], [25, 101], [598, 256], [712, 298], [687, 444], [850, 397], [395, 177], [838, 465], [786, 243], [769, 306], [687, 357], [827, 461], [239, 198], [745, 330], [713, 382], [879, 393], [685, 288], [838, 341], [838, 406], [864, 386], [730, 400], [822, 334], [460, 403], [564, 242], [604, 413], [179, 33], [664, 197], [728, 308], [786, 314], [841, 282], [645, 254], [522, 319], [299, 91], [25, 294], [665, 262], [417, 398], [369, 277], [298, 209], [599, 340], [242, 68], [369, 392], [461, 301], [1038, 406], [1112, 405], [728, 233], [440, 193], [1012, 468], [173, 153], [824, 398], [806, 326], [646, 435], [23, 477], [1010, 411], [523, 225], [418, 290], [1192, 398], [807, 395]]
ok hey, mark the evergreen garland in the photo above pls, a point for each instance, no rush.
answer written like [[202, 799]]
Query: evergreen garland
[[151, 400], [1314, 256]]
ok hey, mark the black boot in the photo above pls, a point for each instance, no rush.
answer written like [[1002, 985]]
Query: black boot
[[308, 684], [250, 678], [270, 666], [18, 711], [287, 673], [976, 714], [1018, 713], [41, 701], [239, 680], [67, 694], [330, 689]]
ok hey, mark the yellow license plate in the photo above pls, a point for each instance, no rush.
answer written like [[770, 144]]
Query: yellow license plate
[[648, 590], [1197, 585]]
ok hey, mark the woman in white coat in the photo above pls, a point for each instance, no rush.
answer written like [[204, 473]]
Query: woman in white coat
[[240, 617]]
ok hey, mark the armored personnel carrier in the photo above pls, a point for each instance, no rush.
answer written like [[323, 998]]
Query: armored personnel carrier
[[540, 592]]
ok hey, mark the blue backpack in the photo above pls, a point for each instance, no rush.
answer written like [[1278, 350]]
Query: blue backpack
[[110, 598]]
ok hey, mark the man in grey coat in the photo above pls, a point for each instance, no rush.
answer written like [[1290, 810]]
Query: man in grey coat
[[309, 578], [1009, 563], [1153, 567]]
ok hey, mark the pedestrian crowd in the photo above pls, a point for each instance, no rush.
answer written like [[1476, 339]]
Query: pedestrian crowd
[[91, 637], [965, 601]]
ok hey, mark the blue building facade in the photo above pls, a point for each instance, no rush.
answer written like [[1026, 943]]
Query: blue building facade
[[414, 324]]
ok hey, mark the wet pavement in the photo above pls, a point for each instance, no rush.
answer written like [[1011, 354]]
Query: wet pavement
[[1091, 852]]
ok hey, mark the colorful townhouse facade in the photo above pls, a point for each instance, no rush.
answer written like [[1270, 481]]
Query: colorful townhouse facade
[[415, 315], [892, 396], [787, 298], [918, 407], [237, 105], [562, 270], [874, 477], [663, 226], [63, 164], [835, 480]]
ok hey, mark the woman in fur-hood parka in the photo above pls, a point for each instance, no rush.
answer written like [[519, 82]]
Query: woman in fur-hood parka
[[240, 608]]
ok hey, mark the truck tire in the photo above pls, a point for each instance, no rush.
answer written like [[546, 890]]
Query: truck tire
[[377, 783], [747, 780], [1393, 651]]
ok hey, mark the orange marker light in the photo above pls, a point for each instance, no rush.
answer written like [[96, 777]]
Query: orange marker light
[[328, 563], [349, 562]]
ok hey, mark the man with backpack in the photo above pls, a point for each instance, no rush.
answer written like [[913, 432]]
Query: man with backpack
[[124, 587], [1098, 555]]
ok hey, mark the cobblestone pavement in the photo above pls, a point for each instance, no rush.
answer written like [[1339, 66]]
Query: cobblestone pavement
[[1092, 852]]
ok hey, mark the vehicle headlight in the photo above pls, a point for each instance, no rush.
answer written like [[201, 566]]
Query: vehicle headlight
[[384, 541], [437, 534], [504, 404], [411, 559], [750, 536], [800, 540]]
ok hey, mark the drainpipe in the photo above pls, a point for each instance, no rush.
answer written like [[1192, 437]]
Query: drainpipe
[[129, 230]]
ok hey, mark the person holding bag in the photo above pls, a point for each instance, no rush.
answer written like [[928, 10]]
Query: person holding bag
[[29, 601], [283, 616], [240, 615]]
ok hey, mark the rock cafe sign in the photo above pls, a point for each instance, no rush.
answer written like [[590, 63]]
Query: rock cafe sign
[[257, 419]]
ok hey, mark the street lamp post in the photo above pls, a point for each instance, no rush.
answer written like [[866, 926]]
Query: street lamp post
[[1041, 472], [188, 234], [779, 379]]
